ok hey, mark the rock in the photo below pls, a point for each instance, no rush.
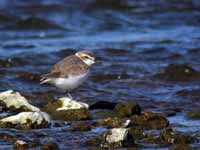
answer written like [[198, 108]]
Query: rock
[[179, 72], [7, 137], [82, 126], [94, 141], [127, 109], [50, 146], [195, 114], [19, 144], [68, 109], [168, 136], [117, 137], [110, 122], [26, 120], [6, 63], [102, 114], [137, 133], [183, 147], [103, 105], [14, 101], [5, 18], [149, 120]]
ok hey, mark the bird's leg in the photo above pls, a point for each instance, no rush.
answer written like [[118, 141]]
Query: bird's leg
[[69, 95]]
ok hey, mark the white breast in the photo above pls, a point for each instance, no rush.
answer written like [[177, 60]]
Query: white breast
[[69, 83]]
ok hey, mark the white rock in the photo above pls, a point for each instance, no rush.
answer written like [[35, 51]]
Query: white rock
[[22, 118], [20, 142], [68, 104], [117, 135], [15, 99]]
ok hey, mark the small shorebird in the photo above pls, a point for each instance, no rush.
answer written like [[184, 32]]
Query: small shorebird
[[70, 72]]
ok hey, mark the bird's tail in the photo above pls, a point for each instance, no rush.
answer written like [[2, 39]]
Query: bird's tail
[[44, 79], [47, 78]]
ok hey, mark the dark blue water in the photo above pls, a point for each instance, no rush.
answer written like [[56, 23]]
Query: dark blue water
[[133, 39]]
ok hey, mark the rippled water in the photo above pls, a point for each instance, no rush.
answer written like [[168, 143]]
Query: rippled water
[[133, 39]]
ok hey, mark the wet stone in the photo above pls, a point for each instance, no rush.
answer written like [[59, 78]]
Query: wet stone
[[103, 105], [137, 133], [116, 137], [179, 72], [169, 136], [26, 121], [6, 63], [67, 109], [149, 121], [102, 114], [110, 122], [82, 126], [94, 141], [195, 114], [5, 18], [183, 147], [7, 137], [127, 109], [14, 101], [19, 144]]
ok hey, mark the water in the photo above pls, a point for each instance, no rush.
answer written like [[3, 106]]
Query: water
[[133, 39]]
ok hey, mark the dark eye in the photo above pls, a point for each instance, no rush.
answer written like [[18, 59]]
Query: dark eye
[[86, 57]]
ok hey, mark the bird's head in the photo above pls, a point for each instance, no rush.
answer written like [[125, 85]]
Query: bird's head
[[86, 56]]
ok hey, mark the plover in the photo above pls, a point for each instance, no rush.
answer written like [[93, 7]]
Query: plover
[[70, 72]]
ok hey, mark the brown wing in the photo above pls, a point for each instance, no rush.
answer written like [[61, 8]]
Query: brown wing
[[71, 65], [50, 75]]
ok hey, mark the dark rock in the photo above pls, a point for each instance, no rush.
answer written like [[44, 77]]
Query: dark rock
[[195, 114], [5, 18], [50, 146], [183, 147], [94, 141], [168, 136], [179, 72], [149, 120], [102, 114], [6, 63], [125, 109], [34, 23], [103, 105], [82, 126], [110, 122], [26, 121], [7, 137], [137, 133]]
